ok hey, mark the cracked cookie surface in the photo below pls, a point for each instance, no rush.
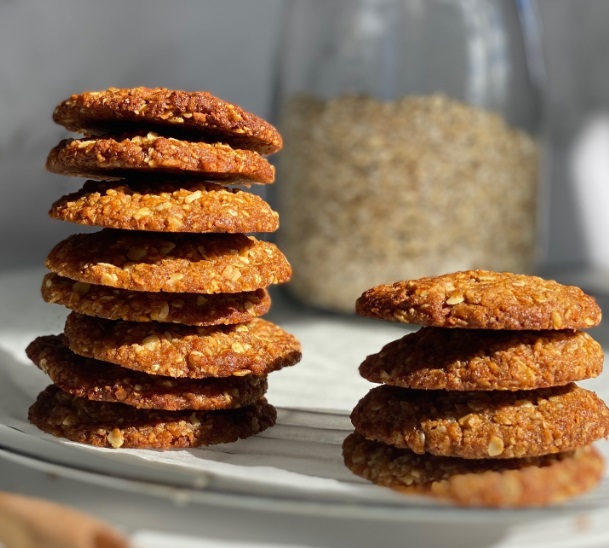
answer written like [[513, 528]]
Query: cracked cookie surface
[[195, 114], [482, 299]]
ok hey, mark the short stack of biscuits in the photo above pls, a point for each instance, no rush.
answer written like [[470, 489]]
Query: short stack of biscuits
[[164, 346], [480, 406]]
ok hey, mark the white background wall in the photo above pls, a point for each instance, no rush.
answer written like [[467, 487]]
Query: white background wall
[[576, 47], [51, 48]]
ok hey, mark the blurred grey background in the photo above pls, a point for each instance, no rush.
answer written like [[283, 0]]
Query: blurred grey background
[[50, 49]]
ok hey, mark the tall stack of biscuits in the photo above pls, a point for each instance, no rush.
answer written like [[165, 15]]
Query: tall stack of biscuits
[[164, 345], [480, 406]]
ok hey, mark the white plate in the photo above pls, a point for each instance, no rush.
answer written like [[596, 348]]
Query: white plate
[[293, 467]]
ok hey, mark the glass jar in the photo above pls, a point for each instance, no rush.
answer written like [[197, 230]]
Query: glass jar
[[410, 142]]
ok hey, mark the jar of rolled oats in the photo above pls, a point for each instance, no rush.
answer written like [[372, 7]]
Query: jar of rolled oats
[[411, 142]]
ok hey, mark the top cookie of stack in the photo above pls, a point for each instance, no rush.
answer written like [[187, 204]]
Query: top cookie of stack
[[164, 346]]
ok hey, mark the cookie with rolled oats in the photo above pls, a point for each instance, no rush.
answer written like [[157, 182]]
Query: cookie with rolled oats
[[153, 155], [477, 425], [494, 483], [102, 381], [482, 299], [117, 425], [198, 115], [434, 358], [144, 306], [175, 263], [166, 206], [254, 348]]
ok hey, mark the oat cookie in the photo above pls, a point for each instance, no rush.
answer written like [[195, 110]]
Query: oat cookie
[[435, 358], [166, 207], [198, 115], [102, 381], [119, 425], [180, 263], [258, 347], [496, 483], [143, 306], [477, 425], [153, 155], [484, 300]]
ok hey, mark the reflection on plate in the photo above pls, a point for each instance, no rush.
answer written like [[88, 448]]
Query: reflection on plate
[[295, 466]]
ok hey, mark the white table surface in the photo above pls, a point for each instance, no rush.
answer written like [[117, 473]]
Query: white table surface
[[162, 519]]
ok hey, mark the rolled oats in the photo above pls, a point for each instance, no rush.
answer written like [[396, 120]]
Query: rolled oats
[[380, 191]]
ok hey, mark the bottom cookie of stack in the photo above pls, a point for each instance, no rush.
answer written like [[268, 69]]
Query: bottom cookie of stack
[[119, 425], [495, 483]]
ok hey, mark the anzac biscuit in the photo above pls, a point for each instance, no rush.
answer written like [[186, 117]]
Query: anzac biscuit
[[102, 381], [476, 425], [119, 425], [482, 299], [166, 207], [143, 306], [434, 358], [176, 263], [151, 155], [197, 115], [175, 350], [505, 483]]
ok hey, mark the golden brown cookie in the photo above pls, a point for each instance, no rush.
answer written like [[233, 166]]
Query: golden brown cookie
[[434, 358], [102, 381], [176, 263], [482, 299], [476, 425], [143, 306], [198, 115], [153, 155], [166, 207], [119, 425], [504, 483], [258, 347]]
